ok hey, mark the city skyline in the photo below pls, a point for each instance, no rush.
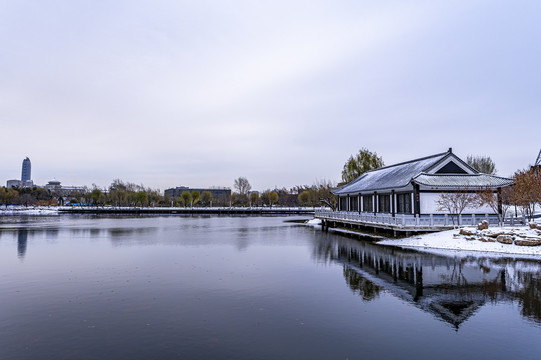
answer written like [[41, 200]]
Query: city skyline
[[170, 94]]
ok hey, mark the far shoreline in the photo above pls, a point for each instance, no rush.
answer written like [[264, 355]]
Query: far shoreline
[[96, 210]]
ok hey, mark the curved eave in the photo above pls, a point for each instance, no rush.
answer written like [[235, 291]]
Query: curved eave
[[471, 181]]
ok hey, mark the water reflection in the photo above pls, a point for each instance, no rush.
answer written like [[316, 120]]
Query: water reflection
[[360, 285], [451, 288], [22, 238], [119, 233]]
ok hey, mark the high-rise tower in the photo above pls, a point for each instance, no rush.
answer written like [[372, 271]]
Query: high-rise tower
[[26, 174]]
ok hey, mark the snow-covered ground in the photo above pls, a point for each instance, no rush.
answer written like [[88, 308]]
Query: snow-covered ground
[[453, 240], [33, 210]]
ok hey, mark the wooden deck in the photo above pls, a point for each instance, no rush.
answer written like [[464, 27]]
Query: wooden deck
[[397, 225]]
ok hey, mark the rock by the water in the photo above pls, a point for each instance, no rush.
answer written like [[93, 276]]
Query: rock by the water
[[505, 239], [534, 225], [529, 241], [466, 232], [483, 225]]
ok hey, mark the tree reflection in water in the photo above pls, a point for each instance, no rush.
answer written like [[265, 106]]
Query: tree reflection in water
[[530, 296], [452, 288], [367, 289]]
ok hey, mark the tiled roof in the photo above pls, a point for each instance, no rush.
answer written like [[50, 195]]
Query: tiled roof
[[463, 180], [391, 177]]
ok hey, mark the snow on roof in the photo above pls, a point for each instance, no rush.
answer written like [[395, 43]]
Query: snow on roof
[[462, 180], [389, 177]]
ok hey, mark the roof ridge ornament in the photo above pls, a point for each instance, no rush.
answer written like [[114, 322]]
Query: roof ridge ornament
[[538, 161]]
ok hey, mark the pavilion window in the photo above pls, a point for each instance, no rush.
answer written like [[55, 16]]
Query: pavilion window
[[343, 204], [367, 203], [404, 203], [384, 204], [354, 204]]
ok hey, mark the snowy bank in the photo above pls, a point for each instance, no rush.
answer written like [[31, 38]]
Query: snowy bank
[[507, 240], [34, 210]]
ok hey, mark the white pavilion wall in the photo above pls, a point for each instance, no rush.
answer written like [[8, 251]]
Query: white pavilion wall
[[429, 206]]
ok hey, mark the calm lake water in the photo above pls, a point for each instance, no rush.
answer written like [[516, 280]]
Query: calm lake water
[[79, 287]]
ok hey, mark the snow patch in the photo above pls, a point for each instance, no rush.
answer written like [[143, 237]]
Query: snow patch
[[452, 240]]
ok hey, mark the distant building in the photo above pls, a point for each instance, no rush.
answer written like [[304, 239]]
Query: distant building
[[26, 176], [216, 192], [19, 183], [56, 188], [14, 183], [53, 185], [26, 173], [63, 193]]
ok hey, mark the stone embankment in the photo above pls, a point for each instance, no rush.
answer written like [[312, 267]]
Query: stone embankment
[[505, 235]]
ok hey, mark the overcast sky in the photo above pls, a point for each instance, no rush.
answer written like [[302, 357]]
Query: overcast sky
[[198, 93]]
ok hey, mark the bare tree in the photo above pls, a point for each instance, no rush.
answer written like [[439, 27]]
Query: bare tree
[[265, 197], [243, 187], [323, 188], [26, 199], [527, 190], [506, 197], [487, 197], [455, 203]]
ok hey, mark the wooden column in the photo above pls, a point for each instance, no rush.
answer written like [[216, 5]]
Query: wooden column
[[500, 211], [393, 203], [417, 200]]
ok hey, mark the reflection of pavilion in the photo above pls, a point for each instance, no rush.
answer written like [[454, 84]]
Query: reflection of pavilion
[[452, 289]]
